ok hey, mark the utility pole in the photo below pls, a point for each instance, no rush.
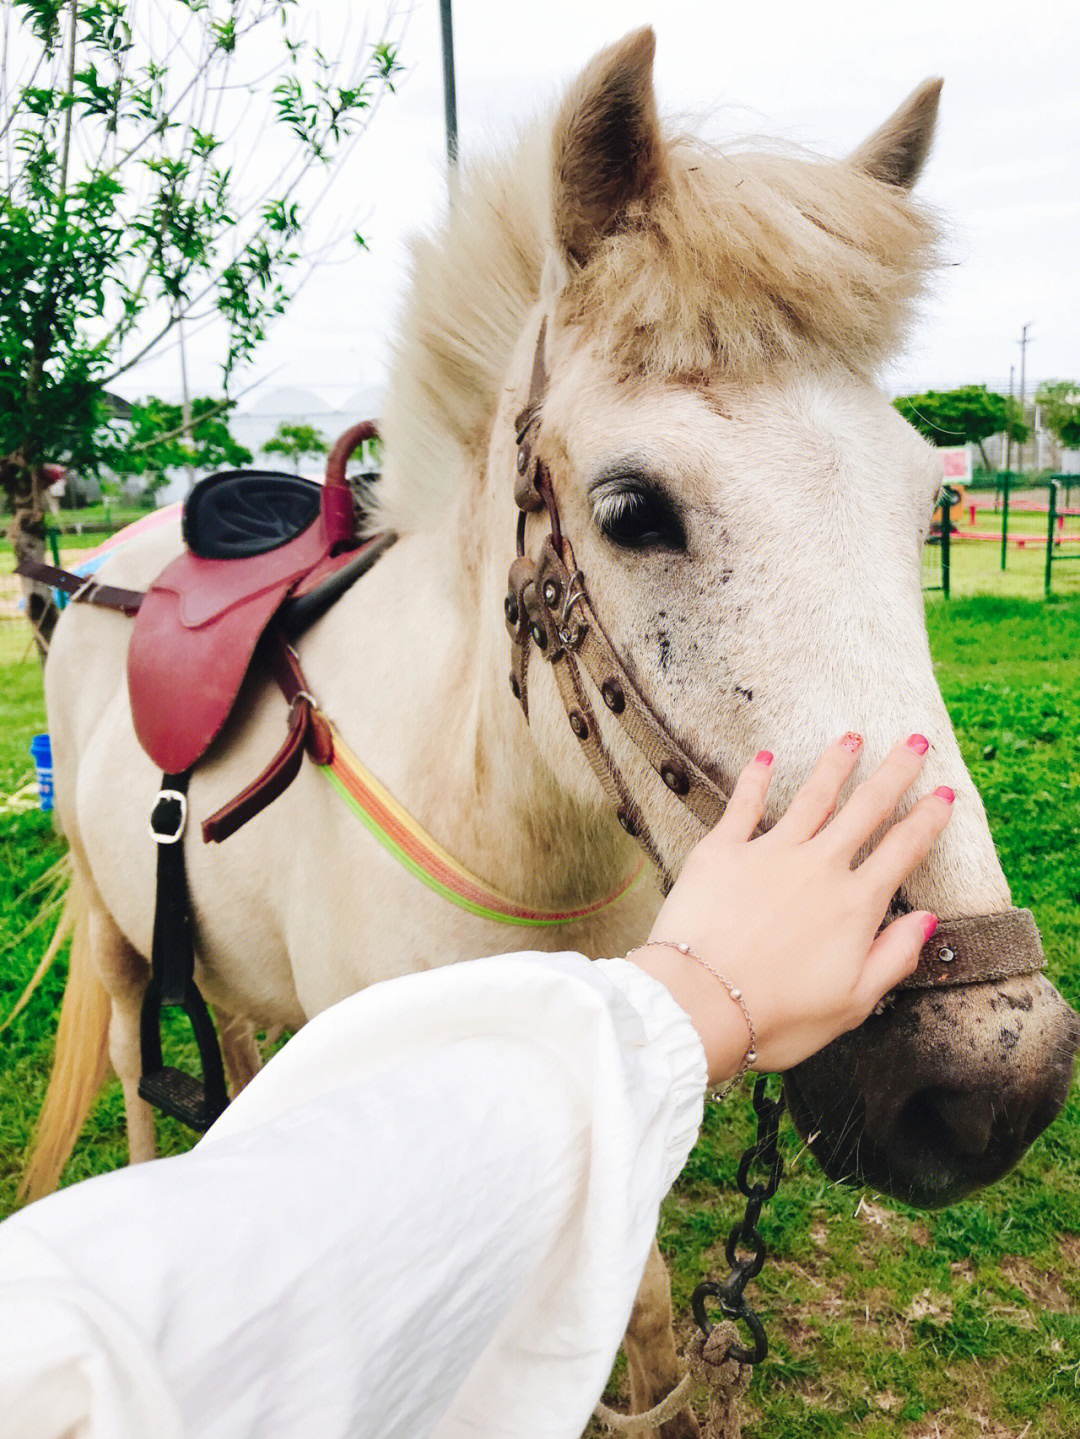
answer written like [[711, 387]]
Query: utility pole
[[1023, 343], [449, 91]]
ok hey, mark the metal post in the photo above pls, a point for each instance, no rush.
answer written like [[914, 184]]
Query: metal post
[[1006, 477], [1051, 515], [449, 91], [948, 499], [1023, 342]]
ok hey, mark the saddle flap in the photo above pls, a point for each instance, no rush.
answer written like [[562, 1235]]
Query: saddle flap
[[205, 589], [183, 682]]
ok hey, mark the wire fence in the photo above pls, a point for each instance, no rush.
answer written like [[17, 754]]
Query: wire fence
[[1009, 541]]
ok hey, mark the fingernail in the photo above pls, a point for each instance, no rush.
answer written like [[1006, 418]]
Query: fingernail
[[930, 923], [852, 742], [944, 792], [764, 756], [919, 743]]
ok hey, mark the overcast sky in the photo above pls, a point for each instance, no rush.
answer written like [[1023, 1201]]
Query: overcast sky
[[1005, 169]]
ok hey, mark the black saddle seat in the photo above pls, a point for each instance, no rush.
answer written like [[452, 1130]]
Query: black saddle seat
[[239, 513]]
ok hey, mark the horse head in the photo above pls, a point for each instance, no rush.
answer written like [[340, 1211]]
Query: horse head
[[690, 360]]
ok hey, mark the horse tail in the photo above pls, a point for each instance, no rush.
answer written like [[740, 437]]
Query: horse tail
[[82, 1048]]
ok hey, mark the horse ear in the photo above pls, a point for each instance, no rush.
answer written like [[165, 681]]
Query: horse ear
[[896, 152], [606, 149]]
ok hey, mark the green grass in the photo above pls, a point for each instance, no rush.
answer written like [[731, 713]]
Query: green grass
[[885, 1321]]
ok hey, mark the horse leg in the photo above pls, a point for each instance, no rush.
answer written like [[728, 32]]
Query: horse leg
[[125, 974], [650, 1350], [239, 1049]]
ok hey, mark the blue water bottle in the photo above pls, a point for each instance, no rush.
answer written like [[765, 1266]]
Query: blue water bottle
[[41, 750]]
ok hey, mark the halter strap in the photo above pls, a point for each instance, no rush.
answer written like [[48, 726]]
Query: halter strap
[[979, 949], [547, 605]]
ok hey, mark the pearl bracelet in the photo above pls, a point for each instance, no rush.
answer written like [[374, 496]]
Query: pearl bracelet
[[736, 994]]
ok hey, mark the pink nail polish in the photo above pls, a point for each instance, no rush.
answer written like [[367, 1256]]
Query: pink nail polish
[[852, 742], [919, 743], [944, 792], [930, 923], [764, 756]]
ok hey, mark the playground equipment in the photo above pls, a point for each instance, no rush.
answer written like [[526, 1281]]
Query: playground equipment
[[954, 509]]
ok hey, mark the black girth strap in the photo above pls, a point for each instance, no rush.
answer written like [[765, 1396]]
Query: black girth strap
[[172, 977]]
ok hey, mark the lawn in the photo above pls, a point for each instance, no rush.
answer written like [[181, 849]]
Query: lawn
[[883, 1321]]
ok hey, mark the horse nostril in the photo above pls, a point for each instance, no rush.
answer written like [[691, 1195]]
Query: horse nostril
[[961, 1121], [1043, 1113]]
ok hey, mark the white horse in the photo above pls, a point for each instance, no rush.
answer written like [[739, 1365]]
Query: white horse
[[749, 512]]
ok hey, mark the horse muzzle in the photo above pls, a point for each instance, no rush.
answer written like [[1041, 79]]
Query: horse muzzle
[[942, 1092]]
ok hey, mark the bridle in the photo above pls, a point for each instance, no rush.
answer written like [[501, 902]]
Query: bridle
[[548, 609]]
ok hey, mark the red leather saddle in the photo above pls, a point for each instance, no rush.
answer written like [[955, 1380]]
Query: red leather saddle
[[254, 541]]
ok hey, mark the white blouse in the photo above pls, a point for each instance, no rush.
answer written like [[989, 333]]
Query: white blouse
[[428, 1215]]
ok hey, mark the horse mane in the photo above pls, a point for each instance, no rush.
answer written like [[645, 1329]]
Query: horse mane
[[744, 261]]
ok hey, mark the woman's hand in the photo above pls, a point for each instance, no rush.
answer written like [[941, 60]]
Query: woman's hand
[[786, 918]]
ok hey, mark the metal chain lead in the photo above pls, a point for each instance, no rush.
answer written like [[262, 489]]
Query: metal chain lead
[[745, 1235]]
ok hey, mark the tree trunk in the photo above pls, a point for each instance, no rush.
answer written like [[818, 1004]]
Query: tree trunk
[[28, 491]]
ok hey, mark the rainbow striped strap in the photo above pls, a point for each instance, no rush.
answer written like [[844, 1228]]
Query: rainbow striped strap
[[411, 845]]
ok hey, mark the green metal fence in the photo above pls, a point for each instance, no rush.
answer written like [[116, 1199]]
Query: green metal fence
[[1054, 548], [939, 544]]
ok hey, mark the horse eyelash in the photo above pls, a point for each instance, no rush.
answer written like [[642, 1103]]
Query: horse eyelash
[[610, 508]]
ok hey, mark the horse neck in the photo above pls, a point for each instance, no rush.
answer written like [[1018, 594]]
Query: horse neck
[[426, 703]]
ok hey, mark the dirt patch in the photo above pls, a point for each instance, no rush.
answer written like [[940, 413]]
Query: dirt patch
[[929, 1306], [884, 1225], [877, 1215], [799, 1336], [949, 1424], [886, 1401], [942, 1428], [1069, 1244], [1039, 1285]]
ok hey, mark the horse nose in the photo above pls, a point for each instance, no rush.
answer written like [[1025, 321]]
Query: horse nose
[[978, 1133], [967, 1120], [975, 1123]]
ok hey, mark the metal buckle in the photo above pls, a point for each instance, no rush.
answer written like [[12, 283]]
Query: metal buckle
[[575, 594], [158, 836]]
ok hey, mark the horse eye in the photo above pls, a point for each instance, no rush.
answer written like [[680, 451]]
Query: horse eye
[[639, 519]]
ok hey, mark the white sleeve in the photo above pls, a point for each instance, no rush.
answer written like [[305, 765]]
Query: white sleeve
[[428, 1215]]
